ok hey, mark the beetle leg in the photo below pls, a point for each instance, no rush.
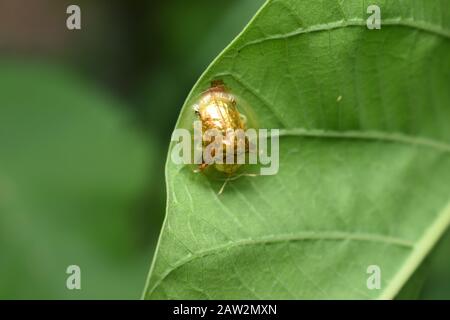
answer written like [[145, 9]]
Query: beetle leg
[[231, 178], [243, 119], [201, 167], [223, 186]]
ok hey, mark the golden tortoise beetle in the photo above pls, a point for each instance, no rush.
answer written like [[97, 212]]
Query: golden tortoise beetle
[[216, 109]]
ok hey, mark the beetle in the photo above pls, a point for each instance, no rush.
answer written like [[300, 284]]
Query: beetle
[[217, 110]]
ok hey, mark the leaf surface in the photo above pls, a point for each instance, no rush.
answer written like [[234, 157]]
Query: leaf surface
[[364, 158]]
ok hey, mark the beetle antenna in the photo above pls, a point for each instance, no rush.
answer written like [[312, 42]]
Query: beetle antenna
[[230, 178]]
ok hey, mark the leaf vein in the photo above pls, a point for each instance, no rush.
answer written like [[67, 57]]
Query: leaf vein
[[301, 236], [422, 26]]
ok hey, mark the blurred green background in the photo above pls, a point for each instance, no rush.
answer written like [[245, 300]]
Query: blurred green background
[[85, 120]]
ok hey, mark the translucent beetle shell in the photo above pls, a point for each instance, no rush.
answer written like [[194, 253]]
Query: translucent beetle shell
[[216, 109]]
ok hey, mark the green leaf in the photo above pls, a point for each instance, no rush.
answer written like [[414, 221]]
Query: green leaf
[[364, 158], [437, 284], [71, 173]]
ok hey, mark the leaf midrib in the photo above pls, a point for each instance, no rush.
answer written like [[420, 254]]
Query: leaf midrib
[[421, 249]]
